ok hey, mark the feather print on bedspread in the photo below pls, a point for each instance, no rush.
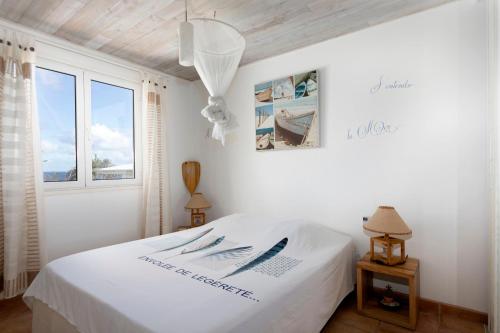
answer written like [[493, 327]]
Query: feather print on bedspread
[[203, 244], [233, 253], [262, 258], [176, 241]]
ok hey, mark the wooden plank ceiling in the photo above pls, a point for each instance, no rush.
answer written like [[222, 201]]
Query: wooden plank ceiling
[[145, 31]]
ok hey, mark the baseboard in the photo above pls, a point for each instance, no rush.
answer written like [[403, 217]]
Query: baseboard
[[461, 312]]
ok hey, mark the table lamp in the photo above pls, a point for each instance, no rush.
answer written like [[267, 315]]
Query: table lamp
[[387, 231], [196, 204]]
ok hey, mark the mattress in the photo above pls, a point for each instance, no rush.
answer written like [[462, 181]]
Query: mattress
[[237, 274]]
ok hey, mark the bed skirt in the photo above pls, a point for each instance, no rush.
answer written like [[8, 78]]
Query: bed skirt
[[46, 320]]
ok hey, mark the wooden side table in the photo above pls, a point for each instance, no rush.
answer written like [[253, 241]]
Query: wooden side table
[[368, 304]]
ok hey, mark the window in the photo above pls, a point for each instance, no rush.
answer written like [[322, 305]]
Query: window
[[112, 131], [87, 128], [56, 98]]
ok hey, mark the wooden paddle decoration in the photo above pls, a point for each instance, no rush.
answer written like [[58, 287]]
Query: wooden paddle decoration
[[191, 171]]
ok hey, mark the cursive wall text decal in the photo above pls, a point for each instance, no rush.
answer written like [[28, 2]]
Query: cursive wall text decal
[[373, 128], [390, 85]]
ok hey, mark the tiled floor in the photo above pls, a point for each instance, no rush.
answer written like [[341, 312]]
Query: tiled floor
[[347, 320], [15, 317]]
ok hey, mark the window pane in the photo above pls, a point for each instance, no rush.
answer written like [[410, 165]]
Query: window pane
[[112, 131], [56, 99]]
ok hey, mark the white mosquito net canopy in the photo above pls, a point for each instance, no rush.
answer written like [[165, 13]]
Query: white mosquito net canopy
[[218, 48]]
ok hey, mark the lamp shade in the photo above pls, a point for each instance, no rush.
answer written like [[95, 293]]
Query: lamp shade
[[197, 201], [186, 44], [386, 220]]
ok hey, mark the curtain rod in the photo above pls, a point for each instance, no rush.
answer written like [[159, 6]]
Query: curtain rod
[[156, 84], [9, 43]]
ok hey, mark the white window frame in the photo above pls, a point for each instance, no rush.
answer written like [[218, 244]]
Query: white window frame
[[136, 88], [79, 119], [83, 79]]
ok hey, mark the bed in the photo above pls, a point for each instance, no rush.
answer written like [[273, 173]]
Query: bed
[[237, 274]]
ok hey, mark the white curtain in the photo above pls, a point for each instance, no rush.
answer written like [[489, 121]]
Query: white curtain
[[218, 48], [20, 172], [156, 219]]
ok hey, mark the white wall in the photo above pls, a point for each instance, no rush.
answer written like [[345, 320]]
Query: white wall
[[433, 168], [81, 220], [185, 134]]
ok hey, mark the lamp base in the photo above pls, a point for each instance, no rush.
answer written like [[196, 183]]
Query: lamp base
[[387, 243], [197, 218], [394, 260]]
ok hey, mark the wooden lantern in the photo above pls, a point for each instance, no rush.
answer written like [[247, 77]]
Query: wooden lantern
[[197, 218], [388, 232], [388, 245], [196, 204]]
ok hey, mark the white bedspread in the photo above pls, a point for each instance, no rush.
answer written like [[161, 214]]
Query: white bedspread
[[136, 287]]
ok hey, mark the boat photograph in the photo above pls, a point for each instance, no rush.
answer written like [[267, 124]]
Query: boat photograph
[[283, 89], [264, 142], [306, 84], [264, 93], [296, 123], [286, 112], [264, 127], [300, 89], [265, 96]]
